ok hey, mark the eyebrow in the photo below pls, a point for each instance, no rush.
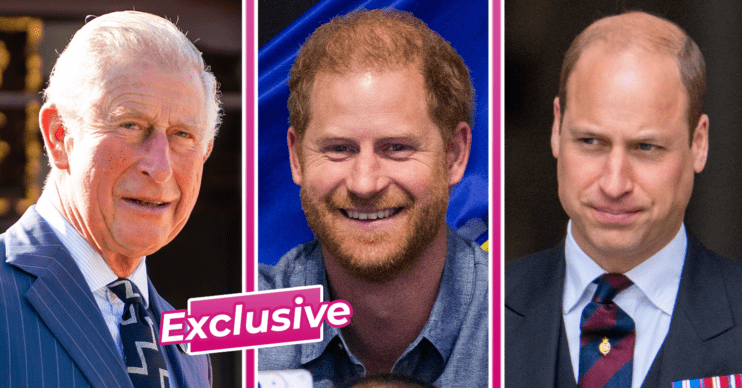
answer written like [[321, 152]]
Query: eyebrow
[[122, 113], [326, 140], [645, 136], [580, 132], [412, 139]]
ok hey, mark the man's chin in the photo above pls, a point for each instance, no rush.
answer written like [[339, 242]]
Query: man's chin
[[376, 267], [381, 258]]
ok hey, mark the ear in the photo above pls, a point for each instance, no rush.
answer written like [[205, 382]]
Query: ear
[[700, 144], [54, 134], [556, 129], [209, 148], [294, 155], [458, 156]]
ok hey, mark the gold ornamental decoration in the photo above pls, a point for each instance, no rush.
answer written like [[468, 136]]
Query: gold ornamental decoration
[[21, 78], [604, 347]]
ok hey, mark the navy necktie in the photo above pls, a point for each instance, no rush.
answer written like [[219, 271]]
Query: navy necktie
[[608, 336], [144, 361]]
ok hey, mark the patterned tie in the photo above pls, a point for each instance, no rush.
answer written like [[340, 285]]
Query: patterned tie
[[144, 362], [608, 335]]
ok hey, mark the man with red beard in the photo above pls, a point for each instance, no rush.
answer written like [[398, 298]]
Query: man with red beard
[[380, 112]]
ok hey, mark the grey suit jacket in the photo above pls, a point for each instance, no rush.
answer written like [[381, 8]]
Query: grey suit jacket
[[705, 337], [52, 333]]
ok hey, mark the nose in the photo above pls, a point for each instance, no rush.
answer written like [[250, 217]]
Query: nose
[[366, 177], [155, 160], [616, 180]]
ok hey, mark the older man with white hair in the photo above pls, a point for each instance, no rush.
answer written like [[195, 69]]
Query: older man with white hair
[[129, 118]]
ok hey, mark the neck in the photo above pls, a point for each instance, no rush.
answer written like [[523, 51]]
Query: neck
[[122, 266], [388, 316], [614, 260]]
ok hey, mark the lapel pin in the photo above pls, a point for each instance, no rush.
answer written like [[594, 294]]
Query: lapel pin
[[604, 346]]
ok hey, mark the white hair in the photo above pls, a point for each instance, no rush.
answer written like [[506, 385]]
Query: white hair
[[80, 74]]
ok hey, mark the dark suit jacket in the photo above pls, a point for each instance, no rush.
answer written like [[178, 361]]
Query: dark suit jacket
[[705, 337], [52, 333]]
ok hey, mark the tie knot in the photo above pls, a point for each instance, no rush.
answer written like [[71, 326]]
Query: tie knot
[[610, 285], [127, 291]]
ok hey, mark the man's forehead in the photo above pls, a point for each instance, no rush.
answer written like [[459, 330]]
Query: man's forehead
[[333, 88], [363, 77], [602, 64], [191, 116], [627, 85], [127, 70], [383, 104], [136, 91], [607, 50]]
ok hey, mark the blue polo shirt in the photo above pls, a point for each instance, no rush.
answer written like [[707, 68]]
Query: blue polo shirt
[[451, 350]]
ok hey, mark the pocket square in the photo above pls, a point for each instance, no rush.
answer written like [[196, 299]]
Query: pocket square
[[730, 381]]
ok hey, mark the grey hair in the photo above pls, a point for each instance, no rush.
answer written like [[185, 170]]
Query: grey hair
[[80, 74]]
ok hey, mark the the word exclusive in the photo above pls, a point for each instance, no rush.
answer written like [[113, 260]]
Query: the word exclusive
[[249, 320]]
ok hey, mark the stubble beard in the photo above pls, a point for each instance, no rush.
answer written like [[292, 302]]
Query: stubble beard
[[378, 256]]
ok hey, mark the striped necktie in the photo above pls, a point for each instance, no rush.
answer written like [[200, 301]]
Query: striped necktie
[[144, 361], [607, 339]]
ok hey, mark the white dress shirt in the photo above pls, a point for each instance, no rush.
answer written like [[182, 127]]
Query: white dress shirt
[[97, 273], [649, 301]]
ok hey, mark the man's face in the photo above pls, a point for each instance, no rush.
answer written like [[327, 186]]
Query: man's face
[[135, 164], [373, 171], [625, 167]]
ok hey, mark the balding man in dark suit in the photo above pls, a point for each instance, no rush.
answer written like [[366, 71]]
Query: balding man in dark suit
[[629, 299]]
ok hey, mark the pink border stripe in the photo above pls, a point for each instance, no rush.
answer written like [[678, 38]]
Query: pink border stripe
[[496, 193], [248, 106]]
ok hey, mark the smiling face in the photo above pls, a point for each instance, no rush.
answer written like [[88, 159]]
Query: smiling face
[[625, 167], [131, 173], [373, 171]]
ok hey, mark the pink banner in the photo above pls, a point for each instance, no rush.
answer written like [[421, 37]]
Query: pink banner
[[256, 319]]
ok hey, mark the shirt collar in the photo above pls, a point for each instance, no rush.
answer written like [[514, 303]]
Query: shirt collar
[[454, 296], [94, 268], [657, 277]]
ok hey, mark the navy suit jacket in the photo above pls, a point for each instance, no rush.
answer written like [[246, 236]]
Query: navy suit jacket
[[704, 340], [52, 333]]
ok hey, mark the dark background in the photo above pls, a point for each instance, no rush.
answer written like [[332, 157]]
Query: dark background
[[274, 16], [206, 257], [537, 33]]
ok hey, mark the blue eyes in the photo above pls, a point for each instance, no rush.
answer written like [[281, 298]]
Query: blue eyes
[[597, 144], [139, 127], [393, 151]]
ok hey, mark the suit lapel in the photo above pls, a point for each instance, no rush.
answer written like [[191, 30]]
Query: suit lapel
[[536, 305], [63, 301], [696, 345], [702, 312]]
